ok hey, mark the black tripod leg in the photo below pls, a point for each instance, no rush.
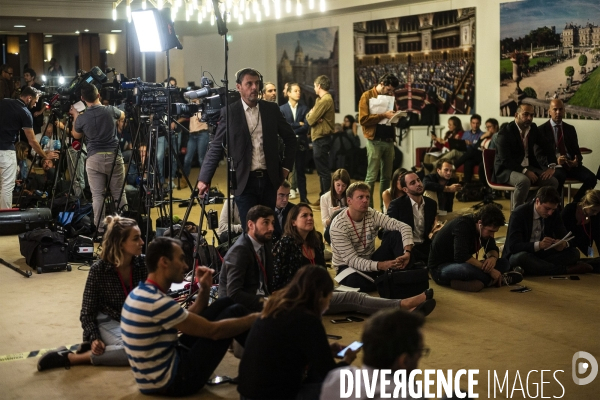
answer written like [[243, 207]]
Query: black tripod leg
[[26, 274]]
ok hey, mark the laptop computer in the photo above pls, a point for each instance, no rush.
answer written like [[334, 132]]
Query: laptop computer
[[457, 144]]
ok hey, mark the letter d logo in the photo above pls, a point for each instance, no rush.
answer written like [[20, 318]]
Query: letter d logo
[[583, 367]]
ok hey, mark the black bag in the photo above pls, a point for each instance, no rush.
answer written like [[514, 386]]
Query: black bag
[[13, 222], [44, 250], [472, 191], [401, 284]]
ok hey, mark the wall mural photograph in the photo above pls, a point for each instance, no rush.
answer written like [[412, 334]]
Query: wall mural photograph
[[550, 50], [304, 55], [433, 56]]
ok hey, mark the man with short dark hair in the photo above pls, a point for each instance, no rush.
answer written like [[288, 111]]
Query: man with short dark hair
[[380, 137], [37, 112], [162, 363], [104, 160], [418, 212], [353, 234], [15, 115], [6, 82], [269, 92], [255, 127], [523, 157], [321, 119], [569, 161], [533, 228], [453, 258], [474, 155], [282, 208], [441, 186], [247, 270], [392, 340]]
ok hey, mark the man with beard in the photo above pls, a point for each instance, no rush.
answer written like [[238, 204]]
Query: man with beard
[[248, 265], [519, 162], [417, 211], [269, 92], [453, 257], [441, 186], [37, 112]]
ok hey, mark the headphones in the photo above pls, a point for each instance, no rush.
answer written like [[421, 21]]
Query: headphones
[[244, 71]]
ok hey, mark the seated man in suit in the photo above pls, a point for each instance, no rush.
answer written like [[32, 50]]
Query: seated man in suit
[[248, 265], [441, 186], [453, 257], [417, 211], [569, 162], [533, 228], [353, 233], [523, 157], [282, 208]]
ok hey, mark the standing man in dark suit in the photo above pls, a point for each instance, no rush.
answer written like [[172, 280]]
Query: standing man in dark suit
[[523, 157], [417, 211], [282, 208], [295, 114], [569, 162], [255, 126], [532, 229], [248, 265]]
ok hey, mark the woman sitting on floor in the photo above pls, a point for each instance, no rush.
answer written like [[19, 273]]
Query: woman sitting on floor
[[336, 197], [301, 244], [394, 191], [120, 268], [583, 221], [287, 355]]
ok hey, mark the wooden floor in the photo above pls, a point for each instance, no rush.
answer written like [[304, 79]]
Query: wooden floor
[[494, 330]]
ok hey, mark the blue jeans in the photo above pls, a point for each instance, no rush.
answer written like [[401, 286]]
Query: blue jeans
[[197, 142], [445, 273], [380, 155], [110, 333], [160, 155]]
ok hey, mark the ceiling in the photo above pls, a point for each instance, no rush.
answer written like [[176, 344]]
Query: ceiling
[[64, 17]]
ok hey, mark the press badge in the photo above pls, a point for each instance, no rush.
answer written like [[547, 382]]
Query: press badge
[[590, 252]]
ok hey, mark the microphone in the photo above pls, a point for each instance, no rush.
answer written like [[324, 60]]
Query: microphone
[[196, 94], [44, 141], [57, 145], [76, 145]]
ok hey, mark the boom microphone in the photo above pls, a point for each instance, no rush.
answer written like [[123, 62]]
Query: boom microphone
[[196, 94]]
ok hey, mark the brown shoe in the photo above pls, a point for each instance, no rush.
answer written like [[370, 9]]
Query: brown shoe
[[467, 286], [579, 268]]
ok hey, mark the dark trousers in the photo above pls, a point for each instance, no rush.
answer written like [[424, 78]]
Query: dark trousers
[[420, 252], [391, 248], [444, 274], [550, 262], [321, 148], [258, 190], [471, 158], [300, 167], [199, 357], [580, 173]]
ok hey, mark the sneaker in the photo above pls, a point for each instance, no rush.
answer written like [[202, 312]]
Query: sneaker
[[511, 278], [58, 358], [292, 194]]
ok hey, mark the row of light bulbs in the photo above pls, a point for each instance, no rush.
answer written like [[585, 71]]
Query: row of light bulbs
[[240, 10]]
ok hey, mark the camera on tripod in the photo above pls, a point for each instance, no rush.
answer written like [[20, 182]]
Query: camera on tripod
[[211, 100]]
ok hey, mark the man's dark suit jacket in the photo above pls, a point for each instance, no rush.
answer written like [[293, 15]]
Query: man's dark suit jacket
[[278, 232], [510, 152], [301, 111], [570, 138], [520, 226], [239, 278], [273, 126], [401, 209]]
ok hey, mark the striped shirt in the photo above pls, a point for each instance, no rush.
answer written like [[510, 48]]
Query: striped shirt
[[148, 323], [350, 247]]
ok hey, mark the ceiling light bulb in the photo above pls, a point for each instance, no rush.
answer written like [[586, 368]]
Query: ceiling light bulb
[[240, 19], [61, 80], [212, 19], [247, 13], [173, 14], [187, 15], [236, 11], [267, 9], [311, 4], [288, 6], [298, 8], [114, 12], [258, 16], [178, 3], [159, 5], [143, 4], [322, 5], [242, 5], [199, 17]]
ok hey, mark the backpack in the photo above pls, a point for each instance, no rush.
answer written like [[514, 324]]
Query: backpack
[[472, 191]]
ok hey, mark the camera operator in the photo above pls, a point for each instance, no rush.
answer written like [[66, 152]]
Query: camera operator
[[14, 115], [97, 123]]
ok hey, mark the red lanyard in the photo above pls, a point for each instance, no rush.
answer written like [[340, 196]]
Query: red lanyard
[[362, 238], [306, 249], [150, 281], [123, 282], [589, 235], [262, 267]]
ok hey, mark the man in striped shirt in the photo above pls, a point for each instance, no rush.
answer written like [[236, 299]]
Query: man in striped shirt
[[162, 363], [353, 234]]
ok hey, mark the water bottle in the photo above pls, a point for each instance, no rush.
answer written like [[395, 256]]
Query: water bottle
[[57, 145]]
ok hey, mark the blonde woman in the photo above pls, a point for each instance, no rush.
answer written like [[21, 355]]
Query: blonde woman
[[120, 268], [583, 220]]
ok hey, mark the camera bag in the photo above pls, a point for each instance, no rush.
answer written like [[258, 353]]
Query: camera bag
[[401, 284]]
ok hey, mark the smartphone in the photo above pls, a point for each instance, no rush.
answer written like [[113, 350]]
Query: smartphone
[[333, 337], [355, 319], [340, 321], [219, 380], [79, 106], [560, 277], [353, 346], [523, 289], [574, 278]]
